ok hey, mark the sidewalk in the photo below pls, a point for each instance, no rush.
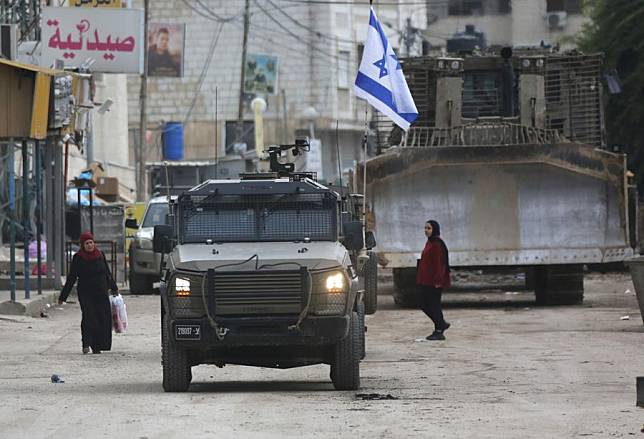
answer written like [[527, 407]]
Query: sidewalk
[[36, 303]]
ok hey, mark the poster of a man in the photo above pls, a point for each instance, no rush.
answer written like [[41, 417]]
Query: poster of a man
[[165, 49], [260, 75]]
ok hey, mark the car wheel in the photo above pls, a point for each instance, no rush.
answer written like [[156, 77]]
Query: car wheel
[[176, 368], [345, 367], [371, 284]]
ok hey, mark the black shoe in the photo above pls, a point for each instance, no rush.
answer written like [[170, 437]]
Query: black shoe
[[96, 351], [446, 327], [436, 335]]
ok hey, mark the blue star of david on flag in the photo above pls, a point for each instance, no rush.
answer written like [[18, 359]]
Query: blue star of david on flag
[[380, 79], [382, 65]]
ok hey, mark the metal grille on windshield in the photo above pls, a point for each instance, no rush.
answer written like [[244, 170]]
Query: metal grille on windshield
[[252, 218]]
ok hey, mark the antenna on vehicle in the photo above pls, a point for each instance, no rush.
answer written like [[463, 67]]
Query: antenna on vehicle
[[167, 181], [337, 150], [216, 138]]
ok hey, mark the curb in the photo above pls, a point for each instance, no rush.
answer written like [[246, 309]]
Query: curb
[[29, 307]]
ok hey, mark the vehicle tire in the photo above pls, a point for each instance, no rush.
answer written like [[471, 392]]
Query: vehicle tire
[[370, 273], [176, 368], [559, 284], [139, 283], [361, 324], [405, 290], [345, 366]]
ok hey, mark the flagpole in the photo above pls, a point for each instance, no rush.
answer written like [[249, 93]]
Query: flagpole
[[364, 167], [364, 172]]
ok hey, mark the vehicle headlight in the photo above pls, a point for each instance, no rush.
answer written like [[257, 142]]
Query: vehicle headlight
[[182, 287], [329, 292], [335, 283], [184, 294]]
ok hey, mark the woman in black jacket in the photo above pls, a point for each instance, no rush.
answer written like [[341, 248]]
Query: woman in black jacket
[[90, 268]]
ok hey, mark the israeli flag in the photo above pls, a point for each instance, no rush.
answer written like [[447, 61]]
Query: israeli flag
[[380, 78]]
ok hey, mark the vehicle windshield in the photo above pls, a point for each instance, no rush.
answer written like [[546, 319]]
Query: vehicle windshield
[[259, 218], [155, 215]]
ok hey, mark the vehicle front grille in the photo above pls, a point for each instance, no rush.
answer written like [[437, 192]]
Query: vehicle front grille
[[268, 292]]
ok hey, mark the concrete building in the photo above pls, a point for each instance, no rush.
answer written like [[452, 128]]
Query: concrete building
[[317, 47], [506, 22]]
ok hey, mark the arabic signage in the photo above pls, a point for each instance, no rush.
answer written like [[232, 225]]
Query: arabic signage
[[166, 44], [260, 75], [112, 37], [95, 3]]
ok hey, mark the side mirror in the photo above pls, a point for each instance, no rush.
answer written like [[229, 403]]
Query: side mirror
[[353, 235], [162, 239], [130, 223], [370, 240]]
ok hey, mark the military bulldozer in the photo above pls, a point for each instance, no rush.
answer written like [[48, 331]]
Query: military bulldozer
[[508, 154]]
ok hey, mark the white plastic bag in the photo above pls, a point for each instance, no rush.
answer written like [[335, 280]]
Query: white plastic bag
[[119, 314]]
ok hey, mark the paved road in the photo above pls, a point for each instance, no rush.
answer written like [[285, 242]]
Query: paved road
[[508, 369]]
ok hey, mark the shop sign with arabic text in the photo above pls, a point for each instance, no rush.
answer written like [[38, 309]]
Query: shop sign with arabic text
[[112, 37], [95, 3]]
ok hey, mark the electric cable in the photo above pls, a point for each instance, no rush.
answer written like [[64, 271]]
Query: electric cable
[[217, 16], [213, 16], [204, 71], [303, 26], [288, 31]]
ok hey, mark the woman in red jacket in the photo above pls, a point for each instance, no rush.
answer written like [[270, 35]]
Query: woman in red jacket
[[432, 276]]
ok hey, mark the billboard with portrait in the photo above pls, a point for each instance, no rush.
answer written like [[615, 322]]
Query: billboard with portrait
[[166, 44], [260, 75]]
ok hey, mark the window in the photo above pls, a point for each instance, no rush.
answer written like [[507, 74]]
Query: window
[[569, 6], [465, 7], [555, 5], [360, 53], [505, 6], [344, 59], [155, 215], [574, 6]]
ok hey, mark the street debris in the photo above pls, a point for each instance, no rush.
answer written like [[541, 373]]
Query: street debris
[[57, 379], [625, 318], [43, 314], [420, 340], [628, 292], [375, 396]]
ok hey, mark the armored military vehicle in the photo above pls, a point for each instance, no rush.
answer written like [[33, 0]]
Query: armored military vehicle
[[508, 153], [263, 271]]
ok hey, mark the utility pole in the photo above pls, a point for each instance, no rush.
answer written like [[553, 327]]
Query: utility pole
[[143, 97], [409, 36], [240, 111]]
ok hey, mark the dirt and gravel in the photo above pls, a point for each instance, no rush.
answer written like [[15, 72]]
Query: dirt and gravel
[[507, 369]]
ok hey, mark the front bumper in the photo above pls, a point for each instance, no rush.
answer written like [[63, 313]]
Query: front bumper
[[145, 261], [267, 331]]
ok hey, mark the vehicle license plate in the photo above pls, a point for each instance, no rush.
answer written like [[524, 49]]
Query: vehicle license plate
[[188, 332]]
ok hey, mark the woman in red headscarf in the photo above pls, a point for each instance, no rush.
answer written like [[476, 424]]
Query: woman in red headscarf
[[90, 268]]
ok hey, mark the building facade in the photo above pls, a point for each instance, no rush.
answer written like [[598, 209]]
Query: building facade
[[507, 22], [315, 50]]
